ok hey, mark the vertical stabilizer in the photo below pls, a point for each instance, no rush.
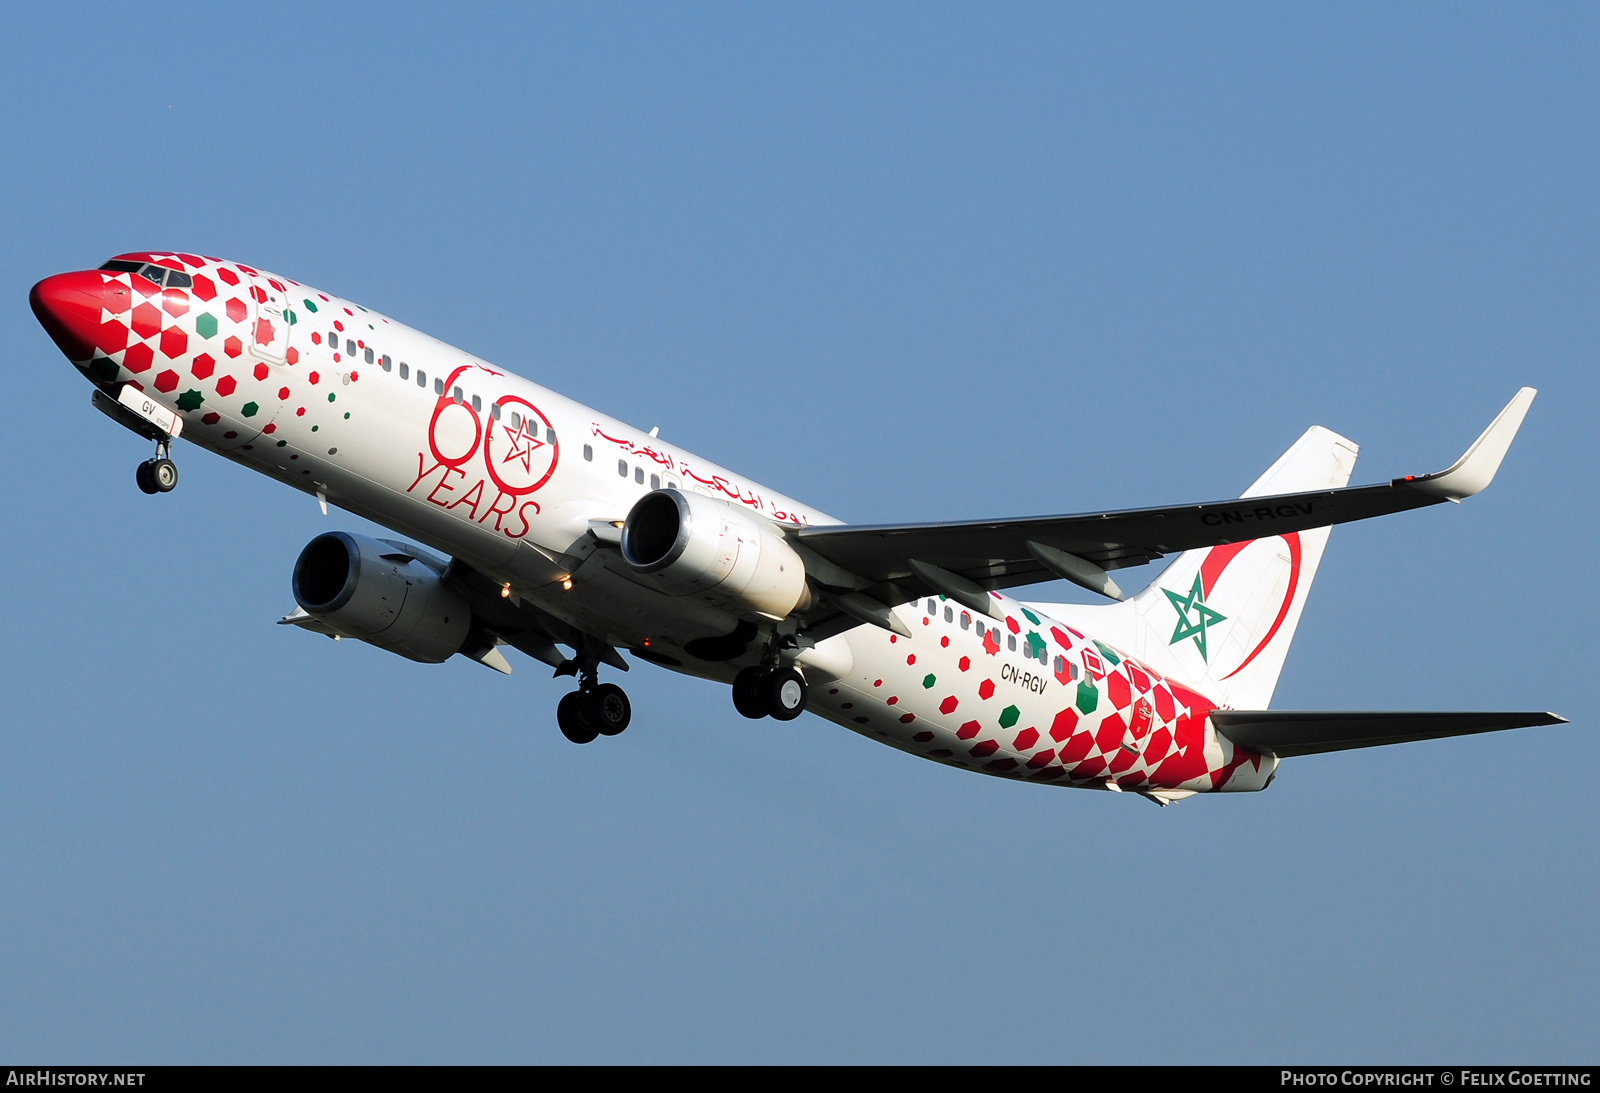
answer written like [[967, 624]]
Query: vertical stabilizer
[[1221, 619]]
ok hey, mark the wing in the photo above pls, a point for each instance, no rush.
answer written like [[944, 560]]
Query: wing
[[900, 562], [1307, 732]]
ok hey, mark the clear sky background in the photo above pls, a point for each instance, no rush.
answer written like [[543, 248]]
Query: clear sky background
[[907, 263]]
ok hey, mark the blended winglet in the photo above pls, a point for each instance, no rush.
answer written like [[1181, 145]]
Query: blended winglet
[[1475, 470]]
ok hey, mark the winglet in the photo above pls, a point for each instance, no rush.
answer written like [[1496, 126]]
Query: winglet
[[1475, 470]]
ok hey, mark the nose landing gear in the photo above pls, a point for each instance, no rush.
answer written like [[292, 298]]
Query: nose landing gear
[[158, 475]]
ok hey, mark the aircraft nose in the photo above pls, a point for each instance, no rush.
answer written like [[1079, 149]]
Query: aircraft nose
[[68, 306]]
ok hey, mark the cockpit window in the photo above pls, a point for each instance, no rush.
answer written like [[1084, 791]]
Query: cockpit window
[[157, 275]]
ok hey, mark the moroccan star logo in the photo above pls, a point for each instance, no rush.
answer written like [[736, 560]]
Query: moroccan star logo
[[518, 460], [521, 446], [1194, 603]]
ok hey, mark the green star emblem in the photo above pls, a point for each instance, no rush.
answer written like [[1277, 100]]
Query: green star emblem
[[1194, 601]]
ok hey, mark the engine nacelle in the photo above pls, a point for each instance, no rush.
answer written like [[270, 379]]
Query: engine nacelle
[[365, 589], [699, 546]]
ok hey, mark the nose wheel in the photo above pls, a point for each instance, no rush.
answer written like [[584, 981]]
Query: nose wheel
[[158, 475]]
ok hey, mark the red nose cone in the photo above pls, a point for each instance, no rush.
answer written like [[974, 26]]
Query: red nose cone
[[68, 307]]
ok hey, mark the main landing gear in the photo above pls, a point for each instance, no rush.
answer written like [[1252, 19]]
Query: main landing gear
[[775, 692], [594, 709], [158, 475]]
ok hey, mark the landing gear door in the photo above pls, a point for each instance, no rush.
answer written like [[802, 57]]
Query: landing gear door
[[269, 332]]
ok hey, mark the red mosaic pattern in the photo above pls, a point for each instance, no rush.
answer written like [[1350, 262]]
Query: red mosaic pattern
[[1119, 722]]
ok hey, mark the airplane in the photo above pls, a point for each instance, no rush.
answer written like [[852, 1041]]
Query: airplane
[[533, 522]]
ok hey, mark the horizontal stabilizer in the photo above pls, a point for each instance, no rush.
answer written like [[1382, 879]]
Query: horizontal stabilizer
[[1307, 732]]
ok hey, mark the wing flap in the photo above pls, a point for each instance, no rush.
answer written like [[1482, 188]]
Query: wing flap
[[1286, 733]]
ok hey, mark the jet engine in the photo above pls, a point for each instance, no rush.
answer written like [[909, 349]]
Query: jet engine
[[378, 593], [699, 546]]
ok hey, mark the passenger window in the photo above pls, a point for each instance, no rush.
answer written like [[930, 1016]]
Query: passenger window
[[349, 348], [477, 404], [933, 607], [405, 372], [588, 453], [966, 620], [438, 386], [655, 481], [1011, 642], [638, 475], [549, 436], [494, 412], [516, 421], [422, 378], [333, 342], [455, 395], [622, 467], [949, 615], [671, 485], [368, 355], [388, 365]]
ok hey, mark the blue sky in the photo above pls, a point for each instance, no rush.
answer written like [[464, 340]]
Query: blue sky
[[905, 262]]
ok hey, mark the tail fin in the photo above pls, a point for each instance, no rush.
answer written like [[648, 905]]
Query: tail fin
[[1221, 619]]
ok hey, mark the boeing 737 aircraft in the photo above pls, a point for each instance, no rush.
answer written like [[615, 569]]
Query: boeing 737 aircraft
[[555, 525]]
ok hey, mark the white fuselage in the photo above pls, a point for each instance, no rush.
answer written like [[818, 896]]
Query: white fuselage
[[511, 477]]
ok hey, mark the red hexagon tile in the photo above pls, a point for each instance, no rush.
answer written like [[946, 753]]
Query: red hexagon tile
[[146, 320], [138, 357], [174, 342]]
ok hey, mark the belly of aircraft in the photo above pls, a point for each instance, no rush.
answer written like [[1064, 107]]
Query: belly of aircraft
[[947, 695]]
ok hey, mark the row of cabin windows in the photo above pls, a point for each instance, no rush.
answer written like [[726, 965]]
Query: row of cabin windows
[[1062, 665], [638, 471], [495, 411], [351, 350]]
